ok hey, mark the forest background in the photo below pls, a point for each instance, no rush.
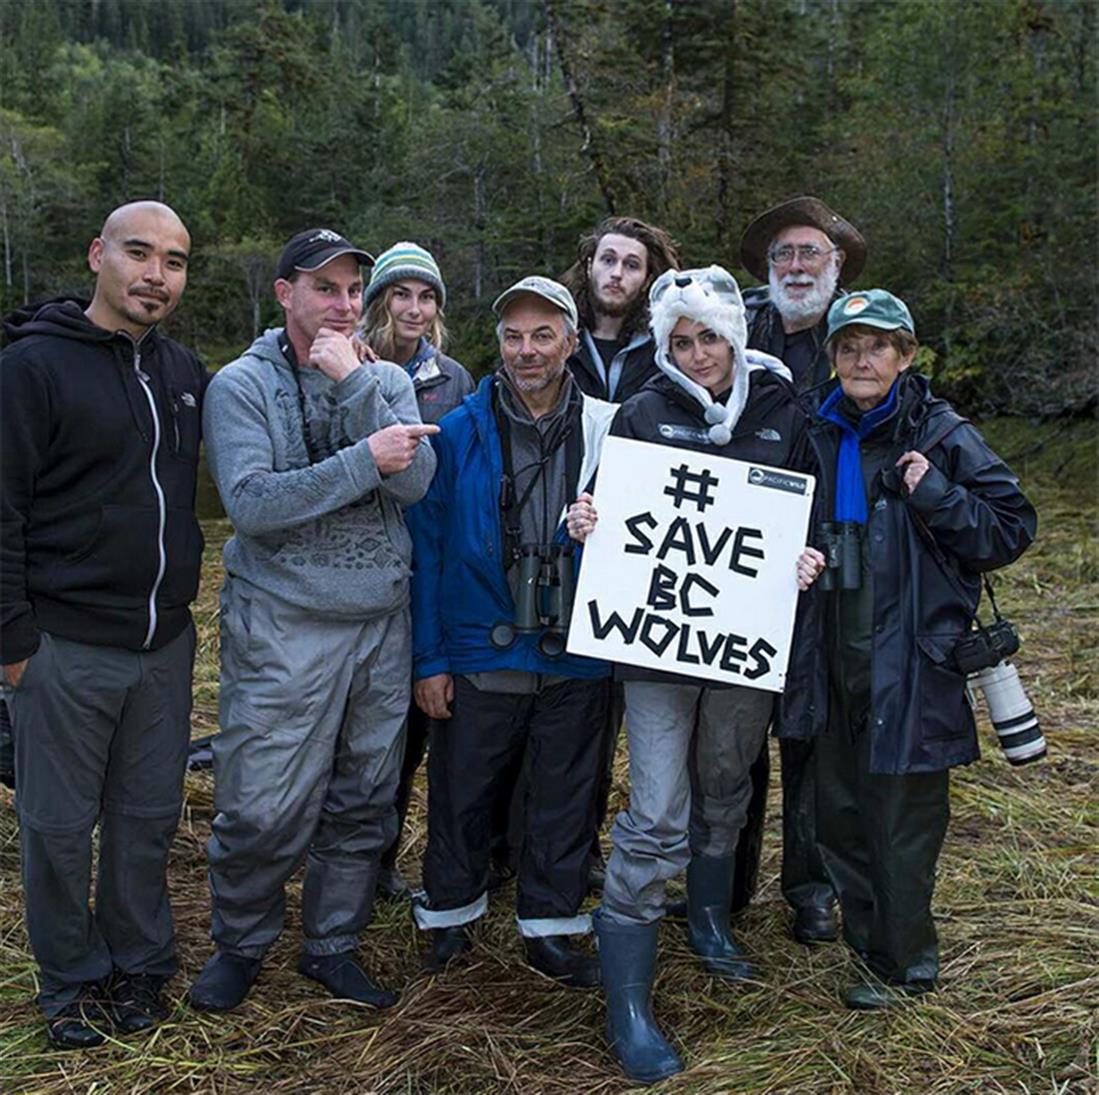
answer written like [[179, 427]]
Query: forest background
[[959, 136]]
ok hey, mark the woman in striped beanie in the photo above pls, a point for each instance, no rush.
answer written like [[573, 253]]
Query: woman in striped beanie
[[403, 322]]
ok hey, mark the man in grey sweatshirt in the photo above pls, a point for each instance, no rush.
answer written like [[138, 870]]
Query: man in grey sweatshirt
[[315, 455]]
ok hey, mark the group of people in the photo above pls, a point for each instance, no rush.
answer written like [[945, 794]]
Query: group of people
[[398, 533]]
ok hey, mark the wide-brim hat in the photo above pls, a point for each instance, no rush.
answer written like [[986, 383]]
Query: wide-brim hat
[[803, 210]]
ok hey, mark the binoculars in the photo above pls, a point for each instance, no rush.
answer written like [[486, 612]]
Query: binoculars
[[842, 548], [544, 599]]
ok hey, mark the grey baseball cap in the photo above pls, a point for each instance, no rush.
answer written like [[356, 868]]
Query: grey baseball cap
[[546, 288]]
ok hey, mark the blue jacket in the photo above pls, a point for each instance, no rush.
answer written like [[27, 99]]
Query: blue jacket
[[460, 589]]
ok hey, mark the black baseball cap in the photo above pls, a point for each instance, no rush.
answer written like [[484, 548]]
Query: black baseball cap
[[311, 249]]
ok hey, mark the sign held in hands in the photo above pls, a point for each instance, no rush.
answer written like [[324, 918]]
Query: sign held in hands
[[691, 567]]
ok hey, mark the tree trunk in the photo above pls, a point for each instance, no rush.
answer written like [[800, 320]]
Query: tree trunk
[[664, 128], [725, 159], [590, 146]]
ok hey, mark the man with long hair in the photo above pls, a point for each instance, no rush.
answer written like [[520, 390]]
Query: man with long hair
[[615, 265]]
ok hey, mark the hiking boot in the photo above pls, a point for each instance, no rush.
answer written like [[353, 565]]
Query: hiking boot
[[815, 924], [81, 1024], [134, 1001], [446, 945], [557, 956], [877, 995]]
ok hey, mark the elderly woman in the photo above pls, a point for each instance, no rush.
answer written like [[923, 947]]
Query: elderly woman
[[404, 323], [692, 743], [912, 506]]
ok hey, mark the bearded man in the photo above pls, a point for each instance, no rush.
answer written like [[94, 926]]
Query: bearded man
[[804, 250], [615, 265]]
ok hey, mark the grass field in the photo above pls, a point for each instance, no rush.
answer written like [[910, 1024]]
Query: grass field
[[1017, 907]]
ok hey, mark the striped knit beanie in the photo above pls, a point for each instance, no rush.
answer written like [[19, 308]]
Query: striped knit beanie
[[404, 260]]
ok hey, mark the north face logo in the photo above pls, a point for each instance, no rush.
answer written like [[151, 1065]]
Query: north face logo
[[767, 434]]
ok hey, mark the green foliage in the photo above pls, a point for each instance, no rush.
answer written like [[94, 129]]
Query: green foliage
[[959, 137]]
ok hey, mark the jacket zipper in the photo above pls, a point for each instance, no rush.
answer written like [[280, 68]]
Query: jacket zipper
[[142, 379]]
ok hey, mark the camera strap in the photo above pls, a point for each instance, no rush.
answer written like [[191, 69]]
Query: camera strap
[[563, 432], [937, 552]]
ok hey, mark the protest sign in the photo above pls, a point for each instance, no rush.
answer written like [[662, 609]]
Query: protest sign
[[691, 568]]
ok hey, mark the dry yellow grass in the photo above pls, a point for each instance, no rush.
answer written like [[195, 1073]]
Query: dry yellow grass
[[1017, 905]]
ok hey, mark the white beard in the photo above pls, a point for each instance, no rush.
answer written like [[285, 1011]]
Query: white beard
[[814, 304]]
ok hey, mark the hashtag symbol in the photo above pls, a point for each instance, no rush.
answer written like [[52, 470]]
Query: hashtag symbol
[[684, 479]]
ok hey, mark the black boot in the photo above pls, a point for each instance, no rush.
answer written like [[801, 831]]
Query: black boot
[[135, 1002], [446, 945], [343, 975], [224, 981], [815, 924], [709, 893], [874, 995], [627, 957], [557, 956], [82, 1024]]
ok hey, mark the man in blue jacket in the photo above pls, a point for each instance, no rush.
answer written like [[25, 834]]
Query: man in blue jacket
[[100, 561], [489, 595]]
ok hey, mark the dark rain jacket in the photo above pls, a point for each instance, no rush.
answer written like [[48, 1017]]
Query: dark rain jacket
[[638, 367], [100, 437], [970, 504], [772, 430]]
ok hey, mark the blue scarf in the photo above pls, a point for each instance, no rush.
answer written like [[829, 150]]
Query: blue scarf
[[850, 501], [424, 352]]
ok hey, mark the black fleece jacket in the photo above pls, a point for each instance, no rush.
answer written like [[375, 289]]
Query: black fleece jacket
[[100, 437]]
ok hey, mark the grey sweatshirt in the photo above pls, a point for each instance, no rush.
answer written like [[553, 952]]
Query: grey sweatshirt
[[328, 536]]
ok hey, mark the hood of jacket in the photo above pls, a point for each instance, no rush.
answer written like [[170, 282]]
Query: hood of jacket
[[61, 317]]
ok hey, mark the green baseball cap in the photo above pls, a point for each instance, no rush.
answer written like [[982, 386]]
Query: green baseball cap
[[870, 308]]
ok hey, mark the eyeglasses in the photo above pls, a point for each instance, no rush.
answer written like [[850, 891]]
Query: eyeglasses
[[809, 253]]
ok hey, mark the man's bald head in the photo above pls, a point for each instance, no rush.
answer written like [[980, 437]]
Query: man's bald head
[[140, 261]]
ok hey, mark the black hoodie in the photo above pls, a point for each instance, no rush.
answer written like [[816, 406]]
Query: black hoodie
[[98, 537]]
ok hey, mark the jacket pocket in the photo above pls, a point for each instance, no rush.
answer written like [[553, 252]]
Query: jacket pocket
[[944, 711], [183, 544], [184, 426], [119, 560]]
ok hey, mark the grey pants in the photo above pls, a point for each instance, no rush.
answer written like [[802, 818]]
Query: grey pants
[[306, 766], [691, 753], [101, 735]]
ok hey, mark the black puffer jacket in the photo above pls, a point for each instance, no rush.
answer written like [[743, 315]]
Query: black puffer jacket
[[970, 502], [100, 453], [772, 430]]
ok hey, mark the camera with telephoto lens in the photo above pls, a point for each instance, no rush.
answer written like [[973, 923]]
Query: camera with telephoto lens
[[982, 655], [544, 599], [985, 647], [841, 545]]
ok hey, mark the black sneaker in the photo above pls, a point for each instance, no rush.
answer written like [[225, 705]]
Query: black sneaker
[[82, 1024], [135, 1003]]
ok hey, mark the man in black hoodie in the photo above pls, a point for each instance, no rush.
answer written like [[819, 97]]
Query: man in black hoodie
[[99, 420]]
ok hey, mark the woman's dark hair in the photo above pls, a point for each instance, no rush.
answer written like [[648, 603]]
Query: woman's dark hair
[[663, 254]]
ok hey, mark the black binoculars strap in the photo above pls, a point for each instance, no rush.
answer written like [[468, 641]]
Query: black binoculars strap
[[563, 433]]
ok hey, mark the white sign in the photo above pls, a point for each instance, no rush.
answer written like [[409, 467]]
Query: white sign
[[691, 568]]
